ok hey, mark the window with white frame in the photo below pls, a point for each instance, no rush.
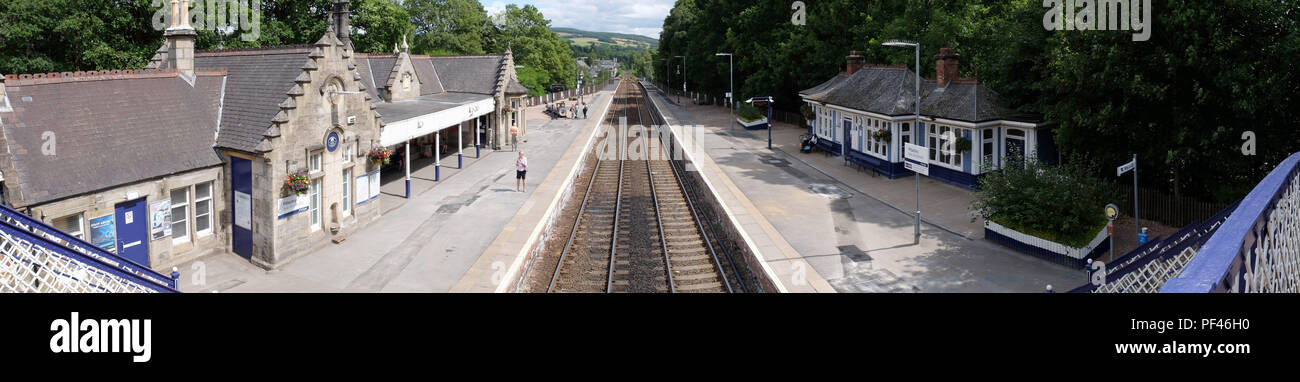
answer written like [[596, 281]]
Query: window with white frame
[[313, 194], [988, 144], [72, 225], [314, 161], [346, 149], [203, 208], [347, 192], [180, 215], [906, 133], [943, 145]]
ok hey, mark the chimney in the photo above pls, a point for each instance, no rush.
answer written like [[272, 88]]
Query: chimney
[[341, 27], [855, 62], [945, 66], [180, 40]]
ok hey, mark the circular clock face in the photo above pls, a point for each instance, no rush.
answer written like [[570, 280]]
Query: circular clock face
[[332, 142], [1112, 212]]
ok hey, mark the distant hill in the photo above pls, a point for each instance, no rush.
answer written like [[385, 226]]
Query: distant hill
[[581, 37]]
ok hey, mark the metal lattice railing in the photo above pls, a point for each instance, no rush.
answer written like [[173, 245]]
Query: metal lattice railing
[[1258, 247], [38, 258], [1151, 277], [26, 267]]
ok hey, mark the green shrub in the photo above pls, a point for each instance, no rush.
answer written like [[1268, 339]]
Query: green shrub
[[749, 113], [1061, 203]]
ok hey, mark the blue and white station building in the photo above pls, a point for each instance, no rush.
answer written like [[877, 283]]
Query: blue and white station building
[[852, 107]]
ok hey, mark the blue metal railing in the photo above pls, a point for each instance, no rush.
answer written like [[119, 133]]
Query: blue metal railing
[[40, 234], [1193, 235], [1219, 265]]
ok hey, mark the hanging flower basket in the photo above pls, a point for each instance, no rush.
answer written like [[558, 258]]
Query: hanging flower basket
[[807, 112], [381, 155], [298, 182], [963, 145], [883, 135]]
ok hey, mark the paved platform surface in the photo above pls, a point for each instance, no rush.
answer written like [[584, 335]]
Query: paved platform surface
[[424, 244], [505, 259], [856, 231]]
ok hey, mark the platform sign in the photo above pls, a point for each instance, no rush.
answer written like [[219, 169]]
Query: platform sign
[[1121, 170], [915, 159]]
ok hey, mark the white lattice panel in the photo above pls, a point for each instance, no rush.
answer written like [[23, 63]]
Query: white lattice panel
[[26, 268], [1151, 277], [1276, 261]]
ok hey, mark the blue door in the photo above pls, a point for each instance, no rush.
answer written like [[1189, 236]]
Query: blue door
[[133, 231], [241, 206]]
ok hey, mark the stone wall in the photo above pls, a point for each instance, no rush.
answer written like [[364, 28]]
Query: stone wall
[[164, 253], [316, 114]]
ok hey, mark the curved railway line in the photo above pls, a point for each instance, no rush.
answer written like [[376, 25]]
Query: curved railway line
[[637, 228]]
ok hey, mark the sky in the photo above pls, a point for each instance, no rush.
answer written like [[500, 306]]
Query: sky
[[641, 17]]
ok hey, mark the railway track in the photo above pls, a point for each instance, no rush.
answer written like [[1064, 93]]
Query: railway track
[[637, 230]]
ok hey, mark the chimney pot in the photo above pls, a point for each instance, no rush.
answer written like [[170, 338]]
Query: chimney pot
[[341, 26]]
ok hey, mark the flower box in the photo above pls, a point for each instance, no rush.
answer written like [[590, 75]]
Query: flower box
[[1044, 248], [755, 125]]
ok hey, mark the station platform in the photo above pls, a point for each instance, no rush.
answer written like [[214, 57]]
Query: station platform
[[851, 230], [503, 261], [427, 243]]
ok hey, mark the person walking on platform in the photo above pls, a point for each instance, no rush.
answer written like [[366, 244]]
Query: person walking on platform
[[521, 169], [584, 111]]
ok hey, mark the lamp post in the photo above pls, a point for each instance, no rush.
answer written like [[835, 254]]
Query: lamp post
[[916, 127], [683, 71], [731, 71]]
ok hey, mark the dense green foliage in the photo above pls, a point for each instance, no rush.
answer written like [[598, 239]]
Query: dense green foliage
[[1211, 71], [1058, 203], [38, 36], [528, 34]]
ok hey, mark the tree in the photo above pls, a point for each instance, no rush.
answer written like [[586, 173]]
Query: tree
[[39, 36], [379, 24], [527, 33], [456, 26]]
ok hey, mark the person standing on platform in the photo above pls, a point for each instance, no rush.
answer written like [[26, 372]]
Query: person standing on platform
[[584, 111], [521, 170]]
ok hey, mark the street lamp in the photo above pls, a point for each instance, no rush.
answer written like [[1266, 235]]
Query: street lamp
[[916, 127], [732, 72], [679, 97]]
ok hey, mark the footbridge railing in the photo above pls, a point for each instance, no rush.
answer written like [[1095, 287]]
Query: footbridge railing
[[35, 257], [1257, 249]]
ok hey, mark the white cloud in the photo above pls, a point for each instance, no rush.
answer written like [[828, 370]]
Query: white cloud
[[641, 17]]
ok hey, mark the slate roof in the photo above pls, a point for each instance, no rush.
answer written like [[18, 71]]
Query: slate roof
[[515, 88], [881, 90], [258, 82], [965, 101], [424, 105], [469, 74], [109, 130], [430, 81], [890, 91]]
